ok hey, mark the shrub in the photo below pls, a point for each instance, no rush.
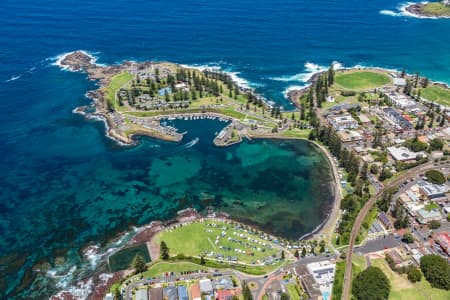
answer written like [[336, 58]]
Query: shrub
[[371, 284], [414, 275]]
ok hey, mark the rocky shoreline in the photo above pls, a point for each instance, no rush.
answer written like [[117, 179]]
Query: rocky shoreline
[[416, 10]]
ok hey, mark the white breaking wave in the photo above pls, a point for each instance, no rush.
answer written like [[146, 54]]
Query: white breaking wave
[[241, 82], [14, 77], [310, 70]]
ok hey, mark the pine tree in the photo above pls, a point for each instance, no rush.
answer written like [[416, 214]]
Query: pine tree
[[139, 264], [164, 251]]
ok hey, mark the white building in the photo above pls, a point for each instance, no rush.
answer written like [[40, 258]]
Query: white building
[[404, 154], [342, 122], [399, 81], [141, 294], [206, 287], [401, 101], [323, 272], [425, 216]]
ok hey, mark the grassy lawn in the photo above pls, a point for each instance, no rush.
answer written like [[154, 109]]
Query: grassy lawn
[[298, 133], [431, 206], [293, 294], [360, 80], [116, 83], [211, 238], [338, 280], [402, 289], [436, 94], [436, 9]]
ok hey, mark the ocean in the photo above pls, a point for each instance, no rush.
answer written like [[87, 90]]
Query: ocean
[[64, 185]]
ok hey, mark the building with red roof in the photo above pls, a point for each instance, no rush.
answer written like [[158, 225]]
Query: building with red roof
[[443, 239]]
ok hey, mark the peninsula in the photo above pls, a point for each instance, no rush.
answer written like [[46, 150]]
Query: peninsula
[[429, 9], [133, 98]]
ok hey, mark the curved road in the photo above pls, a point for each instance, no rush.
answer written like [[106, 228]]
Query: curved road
[[362, 214]]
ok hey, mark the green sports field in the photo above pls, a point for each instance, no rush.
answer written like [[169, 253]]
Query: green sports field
[[217, 240], [436, 94], [360, 80]]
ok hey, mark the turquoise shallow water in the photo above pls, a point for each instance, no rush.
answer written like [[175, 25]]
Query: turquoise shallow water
[[63, 184]]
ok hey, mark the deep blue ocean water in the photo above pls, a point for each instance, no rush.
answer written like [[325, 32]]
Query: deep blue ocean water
[[63, 184]]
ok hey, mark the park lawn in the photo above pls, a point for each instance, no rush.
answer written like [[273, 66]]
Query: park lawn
[[436, 9], [297, 133], [117, 81], [200, 239], [360, 80], [436, 94], [403, 289], [293, 294]]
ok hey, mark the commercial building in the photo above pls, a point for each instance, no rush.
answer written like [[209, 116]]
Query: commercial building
[[385, 220], [404, 154], [425, 216], [342, 122], [432, 191], [323, 272], [401, 101]]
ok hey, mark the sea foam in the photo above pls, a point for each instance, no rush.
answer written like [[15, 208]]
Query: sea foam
[[403, 12]]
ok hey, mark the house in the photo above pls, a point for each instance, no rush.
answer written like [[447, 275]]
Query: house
[[443, 239], [206, 287], [141, 294], [364, 119], [342, 122], [195, 292], [397, 118], [432, 191], [157, 293], [425, 216], [403, 154], [349, 136], [182, 293], [385, 220], [170, 293], [223, 283], [226, 294]]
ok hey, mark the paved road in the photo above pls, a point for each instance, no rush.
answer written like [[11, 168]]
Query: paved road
[[362, 214]]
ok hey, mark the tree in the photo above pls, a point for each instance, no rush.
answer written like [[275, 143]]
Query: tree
[[246, 293], [436, 144], [434, 224], [408, 238], [414, 275], [116, 293], [202, 260], [296, 254], [138, 264], [331, 75], [282, 254], [303, 252], [435, 176], [164, 251], [371, 284], [284, 296], [436, 271], [374, 169], [322, 246]]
